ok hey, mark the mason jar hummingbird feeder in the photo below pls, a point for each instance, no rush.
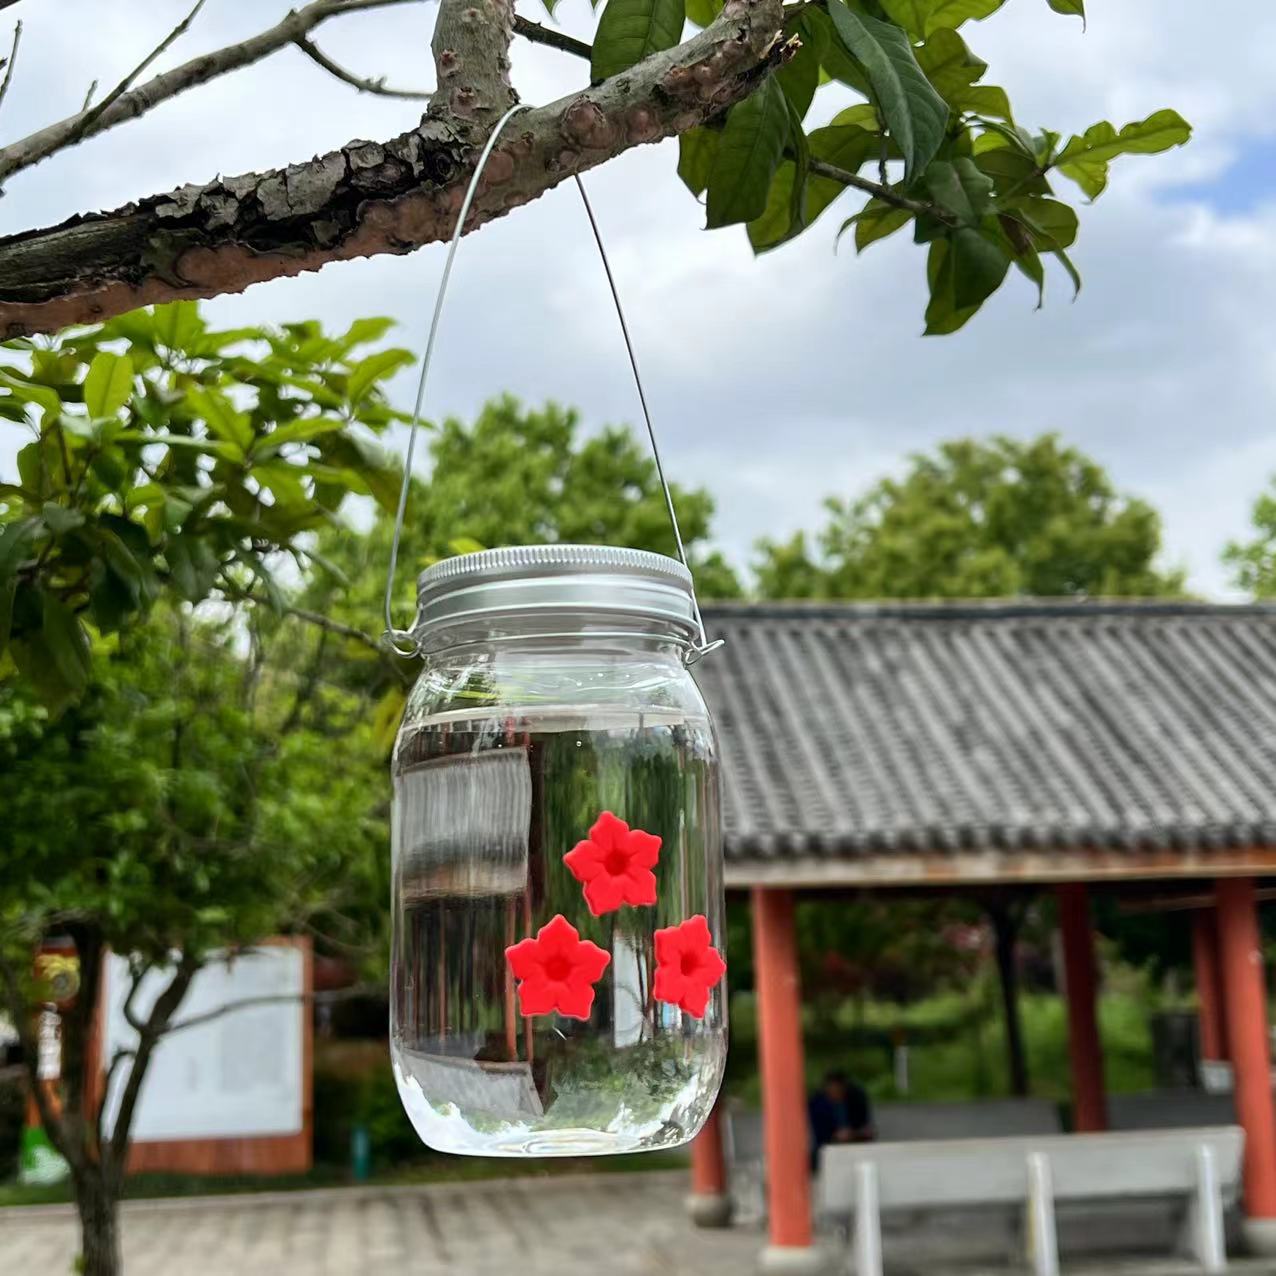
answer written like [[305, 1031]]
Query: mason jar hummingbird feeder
[[557, 972]]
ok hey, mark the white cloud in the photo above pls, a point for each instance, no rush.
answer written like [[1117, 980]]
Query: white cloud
[[781, 380]]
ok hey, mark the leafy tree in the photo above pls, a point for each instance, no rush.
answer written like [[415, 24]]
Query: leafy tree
[[927, 142], [164, 816], [515, 476], [979, 519], [168, 459], [1253, 562], [166, 781]]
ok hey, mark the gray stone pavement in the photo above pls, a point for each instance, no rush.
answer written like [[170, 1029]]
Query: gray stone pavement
[[626, 1224], [598, 1225]]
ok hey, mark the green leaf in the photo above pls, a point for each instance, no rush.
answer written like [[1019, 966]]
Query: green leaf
[[696, 150], [1085, 159], [362, 331], [924, 17], [1011, 169], [960, 187], [775, 223], [296, 432], [963, 271], [376, 367], [875, 221], [42, 396], [749, 152], [66, 644], [226, 451], [914, 112], [1052, 222], [14, 538], [219, 414], [631, 30], [955, 71], [1070, 8], [800, 76], [177, 325], [137, 327], [108, 384], [193, 565], [703, 12], [60, 520]]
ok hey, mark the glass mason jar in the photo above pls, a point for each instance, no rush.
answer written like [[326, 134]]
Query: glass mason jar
[[557, 981]]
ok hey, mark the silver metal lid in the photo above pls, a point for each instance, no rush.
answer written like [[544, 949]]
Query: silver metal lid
[[577, 582]]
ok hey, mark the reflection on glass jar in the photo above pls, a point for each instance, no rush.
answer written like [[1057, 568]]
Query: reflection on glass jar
[[556, 979]]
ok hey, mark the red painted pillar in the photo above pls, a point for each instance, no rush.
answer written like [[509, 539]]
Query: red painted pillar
[[1241, 961], [1089, 1102], [1209, 992], [710, 1202], [783, 1075]]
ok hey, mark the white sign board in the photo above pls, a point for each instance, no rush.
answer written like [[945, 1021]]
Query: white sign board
[[239, 1075]]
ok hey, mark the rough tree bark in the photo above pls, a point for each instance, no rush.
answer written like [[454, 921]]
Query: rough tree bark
[[390, 197]]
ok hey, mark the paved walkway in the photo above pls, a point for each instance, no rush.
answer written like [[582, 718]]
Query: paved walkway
[[612, 1224], [620, 1224]]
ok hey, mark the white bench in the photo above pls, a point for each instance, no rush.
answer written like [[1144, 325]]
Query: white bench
[[1200, 1166], [983, 1118]]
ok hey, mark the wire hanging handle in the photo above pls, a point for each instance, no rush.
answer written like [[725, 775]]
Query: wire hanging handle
[[403, 641]]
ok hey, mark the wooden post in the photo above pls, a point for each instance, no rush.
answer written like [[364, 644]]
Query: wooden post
[[1241, 967], [1209, 993], [710, 1201], [1089, 1102], [788, 1170]]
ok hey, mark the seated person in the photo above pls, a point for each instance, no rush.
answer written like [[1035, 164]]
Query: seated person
[[839, 1113]]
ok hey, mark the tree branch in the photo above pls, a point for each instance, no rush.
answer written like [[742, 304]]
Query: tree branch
[[152, 1030], [370, 198], [887, 194], [12, 61], [138, 101], [316, 998], [560, 40], [331, 626], [471, 61], [87, 118], [377, 86]]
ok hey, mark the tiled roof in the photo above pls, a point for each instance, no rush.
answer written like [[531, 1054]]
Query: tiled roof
[[850, 729]]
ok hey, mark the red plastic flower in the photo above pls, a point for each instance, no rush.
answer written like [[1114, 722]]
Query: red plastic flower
[[615, 865], [557, 970], [687, 965]]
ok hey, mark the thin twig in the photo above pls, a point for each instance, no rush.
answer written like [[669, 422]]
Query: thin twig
[[200, 70], [13, 58], [887, 194], [554, 39], [334, 626], [377, 86], [89, 118], [318, 998], [88, 97]]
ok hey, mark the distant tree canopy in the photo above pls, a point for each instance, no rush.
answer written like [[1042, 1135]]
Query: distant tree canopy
[[1253, 562], [979, 518], [516, 476]]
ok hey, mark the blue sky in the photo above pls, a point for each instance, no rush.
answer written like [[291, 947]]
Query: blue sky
[[779, 381]]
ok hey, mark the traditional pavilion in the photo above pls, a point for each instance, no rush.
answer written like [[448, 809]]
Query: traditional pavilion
[[1068, 746]]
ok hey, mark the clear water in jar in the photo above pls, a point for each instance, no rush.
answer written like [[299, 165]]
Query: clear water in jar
[[485, 809]]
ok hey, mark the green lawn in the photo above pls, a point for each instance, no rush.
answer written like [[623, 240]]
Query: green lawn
[[956, 1046]]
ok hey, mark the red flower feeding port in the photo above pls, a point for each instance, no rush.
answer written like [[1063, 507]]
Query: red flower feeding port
[[687, 965], [557, 970], [615, 864]]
